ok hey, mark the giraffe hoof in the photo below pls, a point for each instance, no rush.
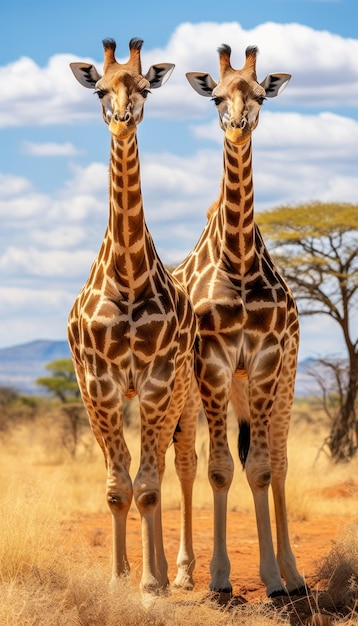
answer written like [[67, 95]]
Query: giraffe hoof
[[227, 589], [221, 597], [187, 584], [304, 590], [278, 593]]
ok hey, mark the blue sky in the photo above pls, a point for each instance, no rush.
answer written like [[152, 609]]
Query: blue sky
[[54, 146]]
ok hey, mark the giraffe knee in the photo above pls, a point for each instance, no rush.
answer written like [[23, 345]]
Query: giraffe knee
[[118, 502], [147, 499], [220, 480], [259, 478]]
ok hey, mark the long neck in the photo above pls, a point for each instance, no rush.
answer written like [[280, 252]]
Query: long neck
[[131, 244], [237, 207]]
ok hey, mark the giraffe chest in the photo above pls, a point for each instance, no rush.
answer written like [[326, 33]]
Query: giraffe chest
[[229, 304], [124, 330]]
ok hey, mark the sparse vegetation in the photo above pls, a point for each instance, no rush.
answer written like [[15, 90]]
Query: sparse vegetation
[[48, 575]]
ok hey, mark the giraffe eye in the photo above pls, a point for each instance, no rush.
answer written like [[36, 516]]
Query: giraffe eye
[[100, 93], [217, 100]]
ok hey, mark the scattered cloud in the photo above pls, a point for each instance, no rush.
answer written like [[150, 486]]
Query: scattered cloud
[[324, 67], [50, 149]]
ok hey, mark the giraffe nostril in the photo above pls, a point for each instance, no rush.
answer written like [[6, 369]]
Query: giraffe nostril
[[241, 124], [122, 117]]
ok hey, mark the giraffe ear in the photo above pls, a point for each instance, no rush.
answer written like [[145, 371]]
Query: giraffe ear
[[273, 84], [202, 83], [158, 75], [86, 74]]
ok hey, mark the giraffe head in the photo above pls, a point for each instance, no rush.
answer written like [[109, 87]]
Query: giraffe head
[[238, 96], [122, 89]]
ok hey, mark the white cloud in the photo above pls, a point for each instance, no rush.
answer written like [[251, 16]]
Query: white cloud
[[34, 313], [324, 68], [11, 185], [22, 208], [29, 261], [49, 149]]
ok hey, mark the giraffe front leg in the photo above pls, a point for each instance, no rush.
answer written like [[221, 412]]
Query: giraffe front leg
[[220, 480], [258, 472], [221, 471], [147, 498], [160, 558], [186, 465], [220, 466], [119, 490], [119, 498], [294, 582], [280, 421]]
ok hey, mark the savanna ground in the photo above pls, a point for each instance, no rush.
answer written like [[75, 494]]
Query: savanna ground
[[55, 535]]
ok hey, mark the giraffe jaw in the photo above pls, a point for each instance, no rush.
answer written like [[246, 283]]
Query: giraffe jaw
[[121, 130]]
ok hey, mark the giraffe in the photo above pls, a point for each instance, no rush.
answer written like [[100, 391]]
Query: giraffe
[[248, 331], [131, 330]]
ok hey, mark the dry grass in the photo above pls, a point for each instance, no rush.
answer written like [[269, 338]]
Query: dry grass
[[40, 487]]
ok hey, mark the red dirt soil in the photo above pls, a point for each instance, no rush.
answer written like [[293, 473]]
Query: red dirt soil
[[311, 542]]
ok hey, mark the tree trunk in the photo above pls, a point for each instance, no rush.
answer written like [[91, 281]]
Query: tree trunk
[[343, 438]]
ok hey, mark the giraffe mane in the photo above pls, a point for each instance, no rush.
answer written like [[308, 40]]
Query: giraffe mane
[[215, 205]]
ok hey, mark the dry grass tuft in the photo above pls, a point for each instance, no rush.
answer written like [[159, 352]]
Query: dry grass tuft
[[340, 569]]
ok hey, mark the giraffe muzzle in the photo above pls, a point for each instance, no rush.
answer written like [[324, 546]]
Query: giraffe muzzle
[[238, 133], [122, 125]]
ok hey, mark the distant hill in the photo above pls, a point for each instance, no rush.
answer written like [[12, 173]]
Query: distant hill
[[21, 365]]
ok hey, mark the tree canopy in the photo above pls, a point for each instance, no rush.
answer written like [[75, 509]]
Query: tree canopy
[[316, 245], [62, 383]]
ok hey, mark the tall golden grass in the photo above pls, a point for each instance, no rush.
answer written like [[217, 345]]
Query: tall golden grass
[[41, 488]]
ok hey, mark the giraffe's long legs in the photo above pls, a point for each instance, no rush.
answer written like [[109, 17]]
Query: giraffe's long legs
[[160, 558], [186, 464], [147, 483], [278, 448], [258, 472], [119, 492], [261, 394], [220, 471], [146, 488], [220, 563], [285, 557], [269, 571], [119, 497], [119, 488]]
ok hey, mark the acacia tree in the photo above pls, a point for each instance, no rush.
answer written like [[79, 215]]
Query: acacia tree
[[315, 246], [63, 385], [63, 382]]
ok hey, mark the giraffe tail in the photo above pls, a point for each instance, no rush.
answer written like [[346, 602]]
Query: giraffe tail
[[243, 441]]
